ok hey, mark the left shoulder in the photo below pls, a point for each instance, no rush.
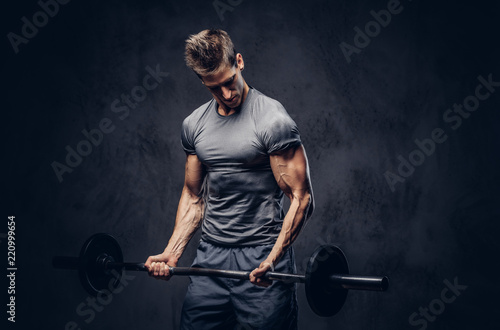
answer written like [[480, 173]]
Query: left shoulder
[[267, 108], [275, 129]]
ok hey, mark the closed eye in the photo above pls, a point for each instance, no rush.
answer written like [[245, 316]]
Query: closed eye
[[228, 83]]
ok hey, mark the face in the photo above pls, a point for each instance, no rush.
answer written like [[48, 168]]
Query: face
[[227, 86]]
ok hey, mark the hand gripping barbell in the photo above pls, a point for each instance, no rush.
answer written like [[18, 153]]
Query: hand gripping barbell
[[327, 278]]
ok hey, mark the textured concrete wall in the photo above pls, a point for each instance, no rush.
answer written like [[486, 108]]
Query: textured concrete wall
[[359, 115]]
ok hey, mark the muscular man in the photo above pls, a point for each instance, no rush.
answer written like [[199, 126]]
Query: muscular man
[[243, 153]]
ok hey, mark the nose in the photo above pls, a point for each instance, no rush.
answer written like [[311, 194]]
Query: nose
[[226, 92]]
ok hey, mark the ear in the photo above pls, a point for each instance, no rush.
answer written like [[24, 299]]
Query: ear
[[240, 62]]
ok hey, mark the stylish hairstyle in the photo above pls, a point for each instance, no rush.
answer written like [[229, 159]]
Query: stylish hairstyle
[[209, 51]]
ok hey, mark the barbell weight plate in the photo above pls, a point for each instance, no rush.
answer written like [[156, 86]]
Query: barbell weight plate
[[323, 298], [92, 275]]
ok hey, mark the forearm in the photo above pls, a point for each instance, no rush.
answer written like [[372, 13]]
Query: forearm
[[301, 207], [188, 220]]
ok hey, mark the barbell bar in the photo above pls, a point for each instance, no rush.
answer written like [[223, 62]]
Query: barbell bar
[[327, 279]]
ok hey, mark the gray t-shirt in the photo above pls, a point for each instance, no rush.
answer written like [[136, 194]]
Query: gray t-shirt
[[244, 204]]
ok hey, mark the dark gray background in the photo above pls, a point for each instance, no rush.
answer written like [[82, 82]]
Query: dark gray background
[[355, 119]]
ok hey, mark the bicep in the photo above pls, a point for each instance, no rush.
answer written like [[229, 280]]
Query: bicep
[[291, 171], [194, 174]]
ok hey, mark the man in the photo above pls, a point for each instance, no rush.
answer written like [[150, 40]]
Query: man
[[248, 150]]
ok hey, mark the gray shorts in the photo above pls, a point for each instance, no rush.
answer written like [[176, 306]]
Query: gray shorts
[[222, 303]]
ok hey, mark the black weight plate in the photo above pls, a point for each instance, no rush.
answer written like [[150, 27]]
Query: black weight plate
[[323, 298], [92, 275]]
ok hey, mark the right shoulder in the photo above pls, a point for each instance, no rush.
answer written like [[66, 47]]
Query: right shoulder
[[198, 114], [192, 125]]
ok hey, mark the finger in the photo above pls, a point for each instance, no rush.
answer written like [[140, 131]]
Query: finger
[[151, 268], [254, 275], [262, 282], [258, 272], [161, 270], [165, 269], [156, 271], [166, 273], [149, 263]]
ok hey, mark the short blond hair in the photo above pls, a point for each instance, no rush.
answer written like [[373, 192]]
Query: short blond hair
[[209, 51]]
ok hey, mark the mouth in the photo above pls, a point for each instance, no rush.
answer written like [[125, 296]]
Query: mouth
[[231, 100]]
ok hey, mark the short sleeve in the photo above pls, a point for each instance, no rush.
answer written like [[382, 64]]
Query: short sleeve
[[187, 137], [279, 131]]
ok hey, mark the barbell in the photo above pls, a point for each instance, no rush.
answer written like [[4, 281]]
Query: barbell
[[327, 279]]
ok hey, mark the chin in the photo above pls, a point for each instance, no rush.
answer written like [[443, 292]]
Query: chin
[[233, 105]]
